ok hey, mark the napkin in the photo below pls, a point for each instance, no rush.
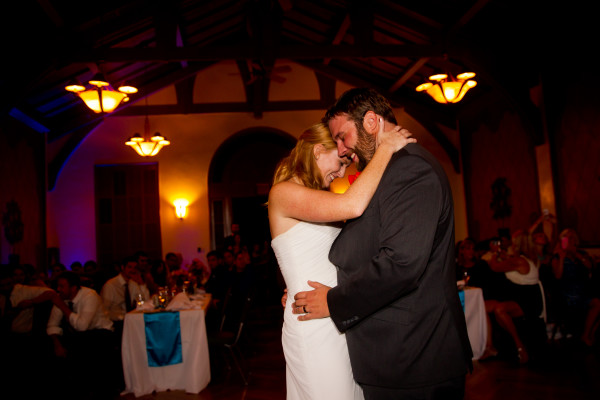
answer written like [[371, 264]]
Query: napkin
[[197, 304], [180, 302], [146, 306]]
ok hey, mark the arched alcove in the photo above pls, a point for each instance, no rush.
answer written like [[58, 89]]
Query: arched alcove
[[239, 179]]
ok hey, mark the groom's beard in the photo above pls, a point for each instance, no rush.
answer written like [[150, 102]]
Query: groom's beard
[[365, 147]]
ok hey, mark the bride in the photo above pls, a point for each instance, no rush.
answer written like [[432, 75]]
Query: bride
[[300, 217]]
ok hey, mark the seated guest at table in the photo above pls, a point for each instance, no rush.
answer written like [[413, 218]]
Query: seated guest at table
[[220, 277], [93, 275], [77, 267], [215, 266], [493, 247], [479, 275], [24, 345], [242, 281], [218, 286], [120, 292], [40, 278], [229, 259], [86, 280], [144, 265], [160, 273], [31, 275], [83, 340], [523, 291], [19, 301], [201, 270], [173, 262], [579, 301], [55, 271]]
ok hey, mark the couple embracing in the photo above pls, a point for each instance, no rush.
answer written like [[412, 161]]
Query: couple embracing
[[372, 307]]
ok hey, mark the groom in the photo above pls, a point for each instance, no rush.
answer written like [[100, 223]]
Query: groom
[[396, 298]]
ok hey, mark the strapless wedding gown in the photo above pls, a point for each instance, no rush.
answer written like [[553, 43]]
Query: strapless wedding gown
[[316, 354]]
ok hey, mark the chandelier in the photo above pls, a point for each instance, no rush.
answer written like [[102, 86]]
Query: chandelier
[[100, 96], [147, 146], [447, 89]]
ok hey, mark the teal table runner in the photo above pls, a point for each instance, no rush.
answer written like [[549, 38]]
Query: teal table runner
[[163, 338]]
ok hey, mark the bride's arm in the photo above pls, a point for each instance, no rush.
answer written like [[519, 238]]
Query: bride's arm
[[292, 200]]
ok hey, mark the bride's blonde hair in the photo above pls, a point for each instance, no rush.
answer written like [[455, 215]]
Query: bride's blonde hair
[[301, 162]]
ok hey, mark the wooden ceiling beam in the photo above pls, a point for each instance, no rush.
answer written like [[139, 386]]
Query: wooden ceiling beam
[[410, 71], [288, 51], [339, 36]]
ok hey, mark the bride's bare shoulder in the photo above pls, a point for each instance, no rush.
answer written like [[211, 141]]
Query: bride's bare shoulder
[[285, 188]]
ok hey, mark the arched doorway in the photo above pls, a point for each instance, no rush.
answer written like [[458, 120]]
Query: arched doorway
[[239, 180]]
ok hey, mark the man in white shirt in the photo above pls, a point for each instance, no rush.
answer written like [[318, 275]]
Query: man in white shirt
[[83, 337], [86, 311], [19, 302], [24, 345], [114, 291]]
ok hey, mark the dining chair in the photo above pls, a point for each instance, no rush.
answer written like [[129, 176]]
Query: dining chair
[[227, 341]]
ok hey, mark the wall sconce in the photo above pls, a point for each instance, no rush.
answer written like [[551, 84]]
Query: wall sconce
[[181, 208]]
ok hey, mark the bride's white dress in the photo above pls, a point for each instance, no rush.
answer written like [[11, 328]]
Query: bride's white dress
[[316, 355]]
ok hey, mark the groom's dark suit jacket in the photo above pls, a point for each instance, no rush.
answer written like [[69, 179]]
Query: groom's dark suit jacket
[[396, 297]]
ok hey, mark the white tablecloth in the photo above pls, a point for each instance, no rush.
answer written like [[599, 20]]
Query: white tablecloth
[[476, 320], [192, 375]]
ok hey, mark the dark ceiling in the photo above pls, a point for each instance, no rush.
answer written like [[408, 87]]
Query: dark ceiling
[[392, 46]]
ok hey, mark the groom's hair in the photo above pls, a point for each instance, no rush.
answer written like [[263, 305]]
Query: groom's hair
[[356, 102]]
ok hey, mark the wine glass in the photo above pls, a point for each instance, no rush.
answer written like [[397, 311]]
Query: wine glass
[[139, 300], [163, 298]]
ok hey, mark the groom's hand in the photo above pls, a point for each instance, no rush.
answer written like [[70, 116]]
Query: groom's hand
[[312, 304]]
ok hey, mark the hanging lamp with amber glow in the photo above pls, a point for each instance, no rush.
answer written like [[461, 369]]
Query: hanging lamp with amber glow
[[447, 89], [147, 146], [100, 96]]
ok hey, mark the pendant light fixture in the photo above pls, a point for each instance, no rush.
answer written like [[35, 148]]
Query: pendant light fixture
[[147, 146], [448, 89], [100, 96]]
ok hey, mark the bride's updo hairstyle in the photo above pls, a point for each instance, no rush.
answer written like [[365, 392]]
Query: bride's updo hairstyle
[[301, 162]]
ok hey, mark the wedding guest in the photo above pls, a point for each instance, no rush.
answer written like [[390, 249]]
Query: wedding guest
[[579, 303], [477, 273], [119, 293], [524, 293], [55, 271], [96, 277], [242, 285], [144, 265], [160, 273], [76, 267], [235, 238], [24, 345], [83, 339], [19, 303]]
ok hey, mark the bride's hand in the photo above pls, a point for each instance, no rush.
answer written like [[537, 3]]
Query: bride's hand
[[396, 138]]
